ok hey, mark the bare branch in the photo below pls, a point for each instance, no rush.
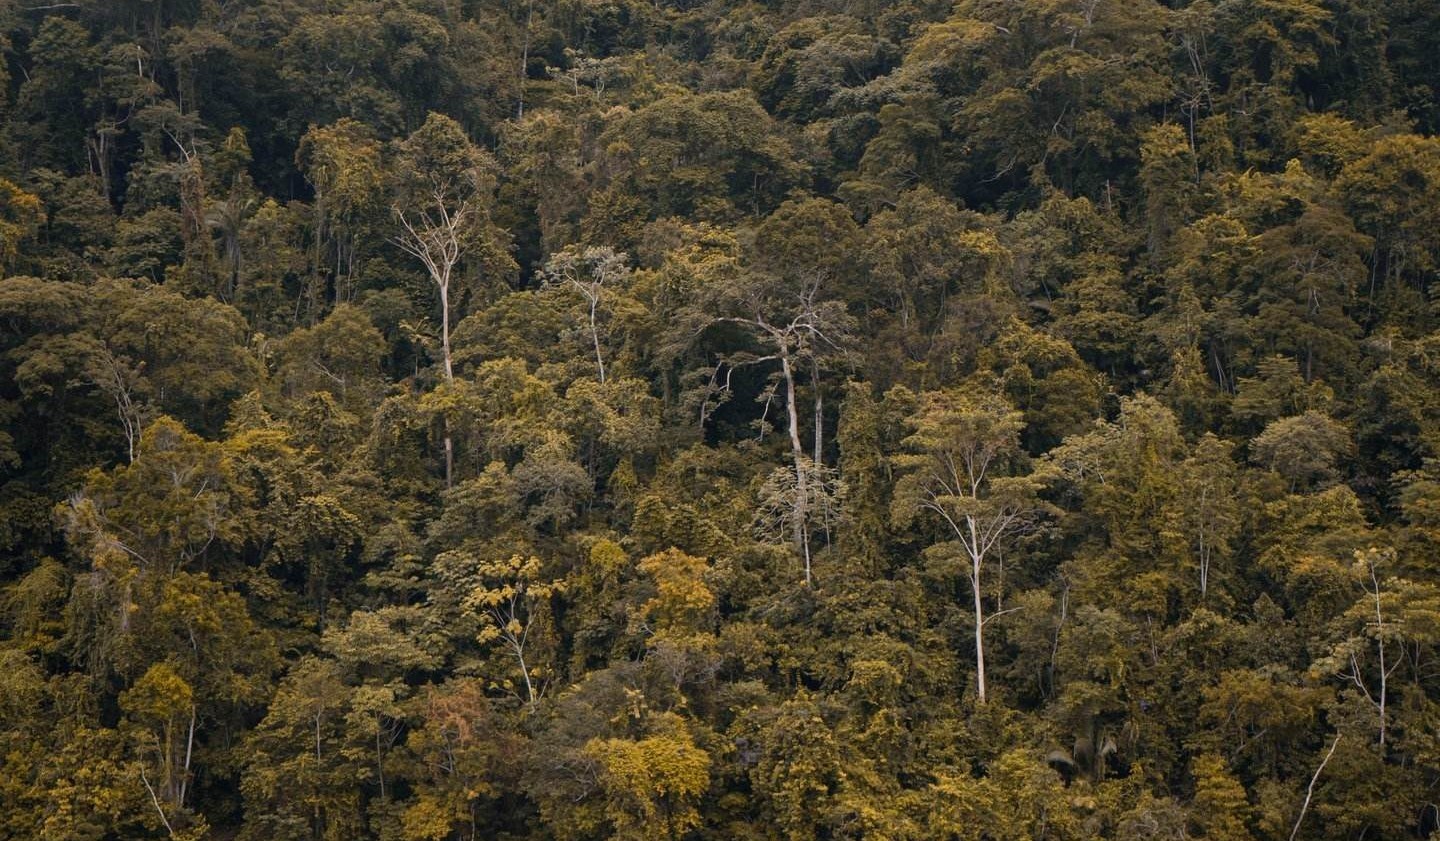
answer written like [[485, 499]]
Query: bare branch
[[1310, 790]]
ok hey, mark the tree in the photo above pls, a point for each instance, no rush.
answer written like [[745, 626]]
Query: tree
[[1303, 449], [121, 382], [190, 354], [1209, 511], [712, 154], [1220, 805], [343, 163], [377, 651], [683, 604], [164, 512], [1391, 195], [651, 785], [162, 699], [1169, 172], [805, 499], [297, 781], [921, 255], [21, 215], [445, 183], [590, 273], [469, 757], [1020, 797], [340, 355], [960, 449], [1391, 615], [513, 602], [799, 767], [811, 62], [791, 308]]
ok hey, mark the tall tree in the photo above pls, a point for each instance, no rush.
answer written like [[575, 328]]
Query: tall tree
[[590, 273], [442, 209], [964, 465]]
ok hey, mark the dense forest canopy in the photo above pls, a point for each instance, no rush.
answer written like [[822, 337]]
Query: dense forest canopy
[[790, 420]]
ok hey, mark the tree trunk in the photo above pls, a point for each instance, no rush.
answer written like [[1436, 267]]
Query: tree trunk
[[449, 457], [979, 631], [819, 412], [976, 560], [802, 541], [189, 749], [1380, 645], [525, 673], [595, 336], [449, 376], [379, 757], [1204, 546]]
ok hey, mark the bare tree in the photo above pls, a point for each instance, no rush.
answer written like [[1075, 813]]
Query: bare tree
[[959, 450], [781, 503], [120, 382], [590, 273], [785, 292], [810, 333], [1350, 659], [440, 207], [436, 235]]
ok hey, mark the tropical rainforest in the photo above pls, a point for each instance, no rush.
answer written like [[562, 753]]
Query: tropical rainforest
[[686, 420]]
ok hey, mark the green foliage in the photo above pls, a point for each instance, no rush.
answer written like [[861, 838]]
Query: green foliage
[[438, 420], [650, 785]]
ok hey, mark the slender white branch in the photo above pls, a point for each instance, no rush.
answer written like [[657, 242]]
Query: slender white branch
[[1310, 790], [153, 799]]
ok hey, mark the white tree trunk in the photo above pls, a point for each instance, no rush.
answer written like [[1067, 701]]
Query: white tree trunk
[[976, 562], [802, 538]]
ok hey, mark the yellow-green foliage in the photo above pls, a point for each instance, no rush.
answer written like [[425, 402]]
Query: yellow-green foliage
[[651, 785], [443, 420]]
